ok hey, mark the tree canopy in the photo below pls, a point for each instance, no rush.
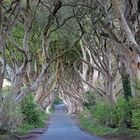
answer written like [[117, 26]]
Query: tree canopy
[[68, 48]]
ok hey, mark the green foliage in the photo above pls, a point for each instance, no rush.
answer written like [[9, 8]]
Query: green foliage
[[89, 100], [136, 118], [4, 137], [11, 116], [108, 115], [32, 113], [136, 113], [124, 112], [106, 119], [87, 123], [126, 86], [136, 107], [20, 118], [137, 85], [26, 127], [114, 116], [33, 116], [105, 114], [57, 100]]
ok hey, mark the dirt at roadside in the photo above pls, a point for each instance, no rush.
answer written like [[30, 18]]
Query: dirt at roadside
[[34, 134]]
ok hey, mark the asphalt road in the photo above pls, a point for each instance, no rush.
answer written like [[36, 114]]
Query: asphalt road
[[62, 127]]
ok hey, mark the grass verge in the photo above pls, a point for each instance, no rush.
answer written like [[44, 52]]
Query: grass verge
[[4, 137], [88, 124], [27, 127]]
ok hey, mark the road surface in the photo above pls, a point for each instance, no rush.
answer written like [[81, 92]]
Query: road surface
[[62, 127]]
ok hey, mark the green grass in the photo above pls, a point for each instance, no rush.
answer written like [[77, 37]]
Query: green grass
[[27, 127], [4, 137], [89, 125]]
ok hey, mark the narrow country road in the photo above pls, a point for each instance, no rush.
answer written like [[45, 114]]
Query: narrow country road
[[62, 127]]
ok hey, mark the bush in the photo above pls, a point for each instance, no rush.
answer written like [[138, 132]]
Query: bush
[[57, 100], [11, 116], [89, 100], [105, 114], [32, 113], [136, 118], [124, 112], [87, 123], [136, 113], [114, 116]]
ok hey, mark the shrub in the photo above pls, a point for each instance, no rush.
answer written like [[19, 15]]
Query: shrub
[[136, 113], [136, 118], [32, 113], [114, 116], [126, 86], [124, 112], [57, 100], [11, 116], [105, 114], [89, 100]]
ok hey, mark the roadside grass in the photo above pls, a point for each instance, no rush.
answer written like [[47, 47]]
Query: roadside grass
[[87, 124], [4, 137], [27, 127]]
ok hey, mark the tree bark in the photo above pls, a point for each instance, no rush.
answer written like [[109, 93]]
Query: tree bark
[[125, 27]]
